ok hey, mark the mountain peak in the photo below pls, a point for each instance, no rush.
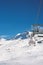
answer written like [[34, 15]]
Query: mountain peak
[[23, 35]]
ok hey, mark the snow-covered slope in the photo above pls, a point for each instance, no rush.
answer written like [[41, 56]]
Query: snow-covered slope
[[18, 52]]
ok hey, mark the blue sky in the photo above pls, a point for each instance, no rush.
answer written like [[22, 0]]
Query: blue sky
[[18, 15]]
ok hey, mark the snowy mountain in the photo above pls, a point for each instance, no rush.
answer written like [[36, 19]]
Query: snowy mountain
[[23, 35], [21, 50]]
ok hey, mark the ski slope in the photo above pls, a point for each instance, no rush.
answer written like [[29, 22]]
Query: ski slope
[[18, 51]]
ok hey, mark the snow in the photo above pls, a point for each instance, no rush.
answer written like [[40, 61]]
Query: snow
[[18, 34], [18, 52]]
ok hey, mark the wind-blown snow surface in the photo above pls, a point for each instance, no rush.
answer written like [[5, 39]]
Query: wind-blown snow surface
[[18, 52]]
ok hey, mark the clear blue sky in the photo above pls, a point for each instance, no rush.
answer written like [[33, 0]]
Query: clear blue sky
[[18, 15]]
